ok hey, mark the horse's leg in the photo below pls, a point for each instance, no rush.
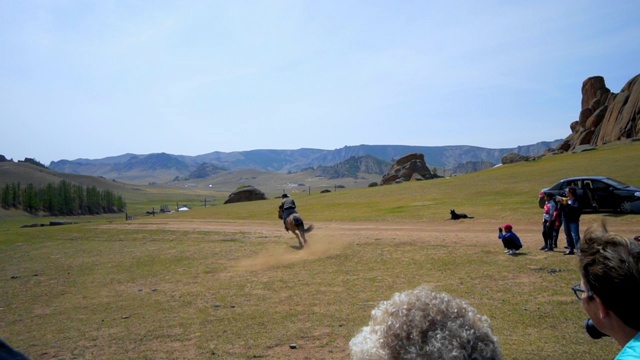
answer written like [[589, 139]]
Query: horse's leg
[[300, 241], [304, 238]]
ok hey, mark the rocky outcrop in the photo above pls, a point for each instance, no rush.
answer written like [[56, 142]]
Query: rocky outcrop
[[511, 158], [352, 167], [248, 193], [408, 167], [605, 116]]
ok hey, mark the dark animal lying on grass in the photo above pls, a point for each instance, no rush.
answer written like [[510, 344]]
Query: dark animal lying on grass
[[458, 216]]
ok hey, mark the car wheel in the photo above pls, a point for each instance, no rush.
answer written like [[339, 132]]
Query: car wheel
[[625, 206]]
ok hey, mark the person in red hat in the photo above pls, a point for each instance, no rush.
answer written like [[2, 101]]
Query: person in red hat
[[510, 240]]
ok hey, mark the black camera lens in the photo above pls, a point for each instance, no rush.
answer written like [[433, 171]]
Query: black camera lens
[[592, 330]]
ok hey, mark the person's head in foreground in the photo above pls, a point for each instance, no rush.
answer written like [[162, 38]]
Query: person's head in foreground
[[610, 270], [425, 324]]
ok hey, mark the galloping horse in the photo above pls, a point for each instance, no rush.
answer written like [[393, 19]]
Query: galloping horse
[[296, 225]]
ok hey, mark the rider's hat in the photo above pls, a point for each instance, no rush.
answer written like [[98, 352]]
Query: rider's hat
[[285, 195]]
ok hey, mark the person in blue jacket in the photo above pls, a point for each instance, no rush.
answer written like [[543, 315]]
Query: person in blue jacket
[[510, 240], [8, 353]]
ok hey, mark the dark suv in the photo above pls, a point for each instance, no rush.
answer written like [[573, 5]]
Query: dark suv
[[598, 193]]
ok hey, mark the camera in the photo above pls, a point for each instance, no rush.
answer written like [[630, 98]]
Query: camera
[[592, 330]]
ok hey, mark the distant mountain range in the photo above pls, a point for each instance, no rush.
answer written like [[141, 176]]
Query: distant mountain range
[[162, 167]]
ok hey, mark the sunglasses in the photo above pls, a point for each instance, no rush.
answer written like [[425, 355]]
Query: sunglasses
[[580, 292]]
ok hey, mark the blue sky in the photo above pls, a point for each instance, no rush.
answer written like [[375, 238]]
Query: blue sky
[[91, 79]]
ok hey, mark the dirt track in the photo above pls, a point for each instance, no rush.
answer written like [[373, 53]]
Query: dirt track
[[468, 231]]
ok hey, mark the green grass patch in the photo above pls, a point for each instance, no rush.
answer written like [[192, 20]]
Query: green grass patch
[[175, 286]]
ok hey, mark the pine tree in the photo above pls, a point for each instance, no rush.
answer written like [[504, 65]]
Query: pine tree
[[5, 197], [31, 203]]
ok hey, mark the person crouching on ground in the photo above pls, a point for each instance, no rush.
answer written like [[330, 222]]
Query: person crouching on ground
[[610, 288], [510, 240], [425, 324]]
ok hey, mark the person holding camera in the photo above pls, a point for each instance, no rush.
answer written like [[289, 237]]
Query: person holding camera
[[510, 240], [548, 221], [610, 289]]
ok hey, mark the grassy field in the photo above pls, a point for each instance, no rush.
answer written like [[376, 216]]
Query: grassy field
[[226, 282]]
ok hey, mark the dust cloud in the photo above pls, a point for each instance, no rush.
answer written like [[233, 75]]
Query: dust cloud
[[317, 247]]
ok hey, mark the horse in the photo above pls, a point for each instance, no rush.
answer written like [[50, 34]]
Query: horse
[[458, 216], [296, 226]]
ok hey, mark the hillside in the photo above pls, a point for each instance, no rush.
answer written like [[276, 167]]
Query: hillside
[[160, 168], [353, 166], [25, 173]]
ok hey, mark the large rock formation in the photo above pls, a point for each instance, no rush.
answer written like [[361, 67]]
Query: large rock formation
[[408, 167], [511, 158], [605, 116], [248, 193]]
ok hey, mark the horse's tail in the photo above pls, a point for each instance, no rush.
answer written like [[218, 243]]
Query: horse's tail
[[309, 229], [299, 224]]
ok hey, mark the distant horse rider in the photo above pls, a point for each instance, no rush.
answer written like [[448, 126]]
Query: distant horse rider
[[288, 208]]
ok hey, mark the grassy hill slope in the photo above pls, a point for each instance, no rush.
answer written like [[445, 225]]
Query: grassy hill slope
[[506, 192]]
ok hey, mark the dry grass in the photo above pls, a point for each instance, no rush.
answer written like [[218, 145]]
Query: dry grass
[[227, 282], [178, 288]]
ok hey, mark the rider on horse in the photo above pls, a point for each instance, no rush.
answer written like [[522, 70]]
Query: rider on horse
[[288, 208]]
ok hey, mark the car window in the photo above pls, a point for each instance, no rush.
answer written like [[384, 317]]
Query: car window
[[557, 186], [616, 183], [599, 185]]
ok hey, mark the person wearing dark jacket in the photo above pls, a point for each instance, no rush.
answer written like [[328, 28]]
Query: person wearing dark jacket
[[510, 240], [288, 208], [571, 212], [8, 353]]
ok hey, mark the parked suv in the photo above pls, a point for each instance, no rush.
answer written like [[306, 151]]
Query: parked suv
[[598, 193]]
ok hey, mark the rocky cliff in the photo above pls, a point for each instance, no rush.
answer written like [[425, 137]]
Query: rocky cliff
[[407, 168], [605, 116]]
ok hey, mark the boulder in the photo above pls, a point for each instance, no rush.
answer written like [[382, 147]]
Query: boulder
[[248, 193], [511, 158], [408, 167], [605, 116], [582, 148]]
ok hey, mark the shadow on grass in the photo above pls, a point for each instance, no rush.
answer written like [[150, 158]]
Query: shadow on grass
[[615, 215]]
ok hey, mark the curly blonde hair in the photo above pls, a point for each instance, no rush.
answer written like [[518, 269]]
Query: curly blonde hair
[[425, 324]]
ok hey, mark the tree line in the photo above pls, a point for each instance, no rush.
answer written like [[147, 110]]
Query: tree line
[[62, 199]]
